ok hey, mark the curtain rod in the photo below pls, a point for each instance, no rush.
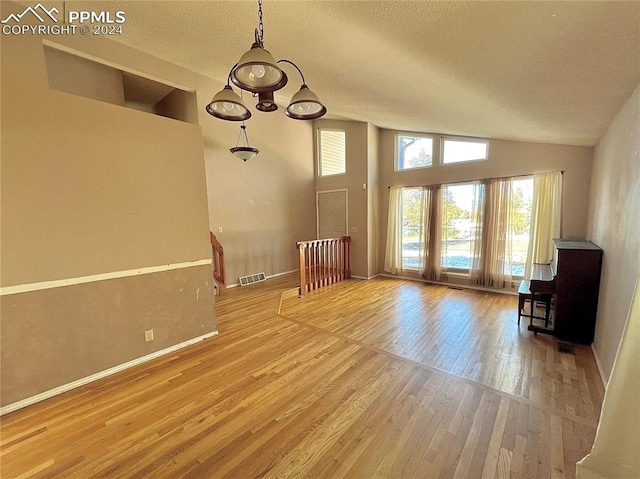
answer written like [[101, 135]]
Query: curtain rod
[[480, 179]]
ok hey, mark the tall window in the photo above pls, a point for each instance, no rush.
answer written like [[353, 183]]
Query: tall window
[[411, 224], [459, 150], [521, 196], [458, 227], [332, 152], [413, 152]]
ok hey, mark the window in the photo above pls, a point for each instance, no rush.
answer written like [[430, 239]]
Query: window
[[458, 226], [332, 152], [413, 152], [411, 219], [521, 197], [458, 150]]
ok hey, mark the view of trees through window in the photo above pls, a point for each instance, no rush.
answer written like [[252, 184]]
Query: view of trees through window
[[522, 196], [411, 247], [459, 226], [414, 152]]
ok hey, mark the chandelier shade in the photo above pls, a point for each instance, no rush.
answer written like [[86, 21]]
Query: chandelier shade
[[246, 151], [226, 105], [305, 105], [258, 72]]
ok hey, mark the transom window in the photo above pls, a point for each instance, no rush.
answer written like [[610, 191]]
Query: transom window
[[413, 151], [332, 152], [460, 150]]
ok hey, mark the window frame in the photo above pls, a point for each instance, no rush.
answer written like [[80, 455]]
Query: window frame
[[464, 139], [320, 130], [396, 159]]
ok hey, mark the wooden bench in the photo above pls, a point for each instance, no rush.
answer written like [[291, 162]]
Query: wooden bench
[[525, 295]]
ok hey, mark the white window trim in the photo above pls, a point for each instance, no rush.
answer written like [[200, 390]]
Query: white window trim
[[396, 165], [320, 130], [462, 139]]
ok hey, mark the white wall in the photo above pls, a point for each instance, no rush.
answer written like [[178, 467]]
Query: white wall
[[614, 224]]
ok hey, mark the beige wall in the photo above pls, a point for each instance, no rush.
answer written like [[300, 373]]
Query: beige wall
[[88, 188], [506, 158], [373, 186], [357, 174], [614, 224], [264, 205]]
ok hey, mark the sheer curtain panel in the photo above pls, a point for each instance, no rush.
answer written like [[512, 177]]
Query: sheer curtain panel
[[393, 251], [492, 255], [546, 212]]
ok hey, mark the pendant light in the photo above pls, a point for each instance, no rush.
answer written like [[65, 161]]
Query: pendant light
[[259, 73], [226, 105], [304, 105], [245, 152]]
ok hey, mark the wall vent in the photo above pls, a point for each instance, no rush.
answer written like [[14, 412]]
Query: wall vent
[[252, 278]]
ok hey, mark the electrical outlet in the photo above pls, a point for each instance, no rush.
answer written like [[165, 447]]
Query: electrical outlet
[[148, 335]]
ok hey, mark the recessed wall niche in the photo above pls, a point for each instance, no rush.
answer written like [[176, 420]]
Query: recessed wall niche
[[80, 76]]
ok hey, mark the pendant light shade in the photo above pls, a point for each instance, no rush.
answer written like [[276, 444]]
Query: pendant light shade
[[226, 105], [258, 72], [305, 105], [246, 151]]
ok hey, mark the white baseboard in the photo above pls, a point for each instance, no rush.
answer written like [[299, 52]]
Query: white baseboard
[[268, 277], [599, 365], [102, 374]]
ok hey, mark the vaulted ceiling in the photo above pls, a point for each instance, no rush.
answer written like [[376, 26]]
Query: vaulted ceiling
[[554, 72]]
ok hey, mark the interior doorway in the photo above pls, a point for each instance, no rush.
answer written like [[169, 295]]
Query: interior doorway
[[332, 213]]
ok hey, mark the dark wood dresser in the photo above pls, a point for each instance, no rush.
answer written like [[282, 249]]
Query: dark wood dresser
[[577, 274]]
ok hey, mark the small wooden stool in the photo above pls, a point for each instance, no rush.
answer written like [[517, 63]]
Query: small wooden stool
[[524, 295]]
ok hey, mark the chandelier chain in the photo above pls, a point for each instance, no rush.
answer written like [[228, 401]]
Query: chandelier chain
[[260, 25]]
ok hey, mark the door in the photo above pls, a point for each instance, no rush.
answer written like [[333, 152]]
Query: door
[[332, 213]]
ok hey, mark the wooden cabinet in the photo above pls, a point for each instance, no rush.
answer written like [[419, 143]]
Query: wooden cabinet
[[578, 265]]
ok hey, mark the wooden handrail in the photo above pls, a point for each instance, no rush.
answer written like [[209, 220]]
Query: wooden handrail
[[323, 262], [218, 260]]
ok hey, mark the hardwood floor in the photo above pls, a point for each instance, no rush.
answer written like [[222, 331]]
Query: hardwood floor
[[385, 378]]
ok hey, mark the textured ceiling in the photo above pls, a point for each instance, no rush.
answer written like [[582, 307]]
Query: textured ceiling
[[554, 72]]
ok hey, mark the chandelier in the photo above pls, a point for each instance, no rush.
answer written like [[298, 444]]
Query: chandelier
[[260, 74]]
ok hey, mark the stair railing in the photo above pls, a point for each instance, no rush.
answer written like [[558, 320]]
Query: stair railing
[[218, 261], [323, 262]]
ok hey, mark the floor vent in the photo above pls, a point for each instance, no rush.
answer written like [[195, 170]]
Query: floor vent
[[566, 348], [252, 278]]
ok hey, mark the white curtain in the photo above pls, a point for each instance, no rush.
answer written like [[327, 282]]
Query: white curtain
[[492, 253], [478, 220], [393, 251], [546, 211], [616, 449]]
